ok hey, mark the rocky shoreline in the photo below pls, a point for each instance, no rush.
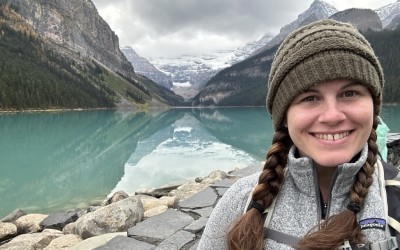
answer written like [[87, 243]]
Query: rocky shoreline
[[171, 217]]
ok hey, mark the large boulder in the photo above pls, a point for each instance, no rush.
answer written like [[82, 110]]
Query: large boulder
[[150, 202], [30, 223], [116, 217], [117, 196], [59, 220], [7, 231], [32, 240], [14, 215], [64, 242]]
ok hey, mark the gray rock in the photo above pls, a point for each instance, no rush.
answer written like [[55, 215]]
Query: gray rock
[[203, 212], [126, 243], [117, 196], [247, 170], [225, 183], [160, 227], [158, 192], [14, 215], [59, 220], [7, 231], [197, 225], [221, 191], [116, 217], [176, 241], [29, 223], [195, 245], [64, 242], [30, 241], [205, 198], [96, 241]]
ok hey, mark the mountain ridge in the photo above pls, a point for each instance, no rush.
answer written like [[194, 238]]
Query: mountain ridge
[[245, 82], [73, 32]]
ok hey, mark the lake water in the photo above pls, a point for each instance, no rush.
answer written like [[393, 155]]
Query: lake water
[[55, 161]]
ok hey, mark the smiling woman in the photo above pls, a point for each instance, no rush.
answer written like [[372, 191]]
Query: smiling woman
[[321, 186], [331, 122]]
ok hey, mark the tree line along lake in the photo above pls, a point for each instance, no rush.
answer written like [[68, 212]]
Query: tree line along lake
[[56, 161]]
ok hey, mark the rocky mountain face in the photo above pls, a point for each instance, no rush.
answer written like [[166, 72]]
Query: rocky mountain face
[[247, 79], [191, 72], [76, 26], [245, 83], [73, 31], [143, 67], [318, 10], [390, 15], [363, 19]]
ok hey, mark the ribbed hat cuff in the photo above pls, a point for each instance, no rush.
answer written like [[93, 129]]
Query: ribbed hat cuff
[[322, 67]]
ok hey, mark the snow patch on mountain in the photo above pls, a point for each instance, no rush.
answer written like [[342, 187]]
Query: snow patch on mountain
[[191, 72], [143, 67], [388, 13], [318, 10]]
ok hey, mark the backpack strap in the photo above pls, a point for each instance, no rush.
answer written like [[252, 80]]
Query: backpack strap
[[277, 236], [392, 183], [392, 188]]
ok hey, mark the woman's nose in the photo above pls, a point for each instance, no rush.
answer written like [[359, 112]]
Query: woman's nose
[[331, 112]]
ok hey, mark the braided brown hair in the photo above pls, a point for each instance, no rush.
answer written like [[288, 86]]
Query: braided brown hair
[[247, 232], [335, 230]]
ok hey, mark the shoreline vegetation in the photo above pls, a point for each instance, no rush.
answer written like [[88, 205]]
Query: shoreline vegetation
[[137, 109]]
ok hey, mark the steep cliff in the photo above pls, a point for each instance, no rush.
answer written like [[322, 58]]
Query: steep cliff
[[144, 67], [73, 31], [75, 25], [317, 11]]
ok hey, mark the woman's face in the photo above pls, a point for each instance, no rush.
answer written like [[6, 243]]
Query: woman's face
[[331, 121]]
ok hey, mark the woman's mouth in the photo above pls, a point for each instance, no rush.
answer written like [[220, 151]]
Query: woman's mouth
[[332, 137]]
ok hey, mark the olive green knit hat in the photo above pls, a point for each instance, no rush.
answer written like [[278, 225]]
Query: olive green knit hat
[[321, 51]]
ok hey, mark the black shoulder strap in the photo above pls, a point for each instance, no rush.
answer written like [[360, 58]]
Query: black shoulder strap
[[390, 171], [393, 195]]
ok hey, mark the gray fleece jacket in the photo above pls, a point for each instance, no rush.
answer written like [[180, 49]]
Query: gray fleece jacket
[[298, 206]]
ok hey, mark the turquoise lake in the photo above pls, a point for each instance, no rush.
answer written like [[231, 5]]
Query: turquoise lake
[[56, 161]]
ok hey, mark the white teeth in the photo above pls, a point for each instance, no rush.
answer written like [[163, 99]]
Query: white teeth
[[332, 137]]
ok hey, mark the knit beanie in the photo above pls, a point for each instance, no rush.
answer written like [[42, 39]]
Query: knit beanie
[[321, 51]]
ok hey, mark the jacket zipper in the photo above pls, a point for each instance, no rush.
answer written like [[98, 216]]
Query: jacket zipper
[[318, 194]]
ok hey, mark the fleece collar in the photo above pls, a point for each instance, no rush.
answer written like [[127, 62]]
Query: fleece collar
[[303, 171]]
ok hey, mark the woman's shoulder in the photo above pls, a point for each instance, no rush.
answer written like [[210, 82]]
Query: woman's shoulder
[[236, 196], [228, 209]]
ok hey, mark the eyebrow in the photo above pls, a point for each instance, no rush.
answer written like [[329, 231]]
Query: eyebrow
[[350, 84]]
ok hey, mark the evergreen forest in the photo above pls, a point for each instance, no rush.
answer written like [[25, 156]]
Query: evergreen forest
[[33, 77], [386, 44]]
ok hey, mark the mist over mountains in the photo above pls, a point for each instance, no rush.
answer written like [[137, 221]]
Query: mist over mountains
[[190, 74], [63, 55]]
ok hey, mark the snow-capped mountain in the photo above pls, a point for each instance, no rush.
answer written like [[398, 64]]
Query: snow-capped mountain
[[190, 72], [318, 10], [142, 66], [388, 14]]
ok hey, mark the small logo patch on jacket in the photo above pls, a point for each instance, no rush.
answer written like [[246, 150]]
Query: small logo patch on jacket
[[372, 223]]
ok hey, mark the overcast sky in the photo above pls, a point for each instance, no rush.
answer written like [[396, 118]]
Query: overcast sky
[[164, 28]]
